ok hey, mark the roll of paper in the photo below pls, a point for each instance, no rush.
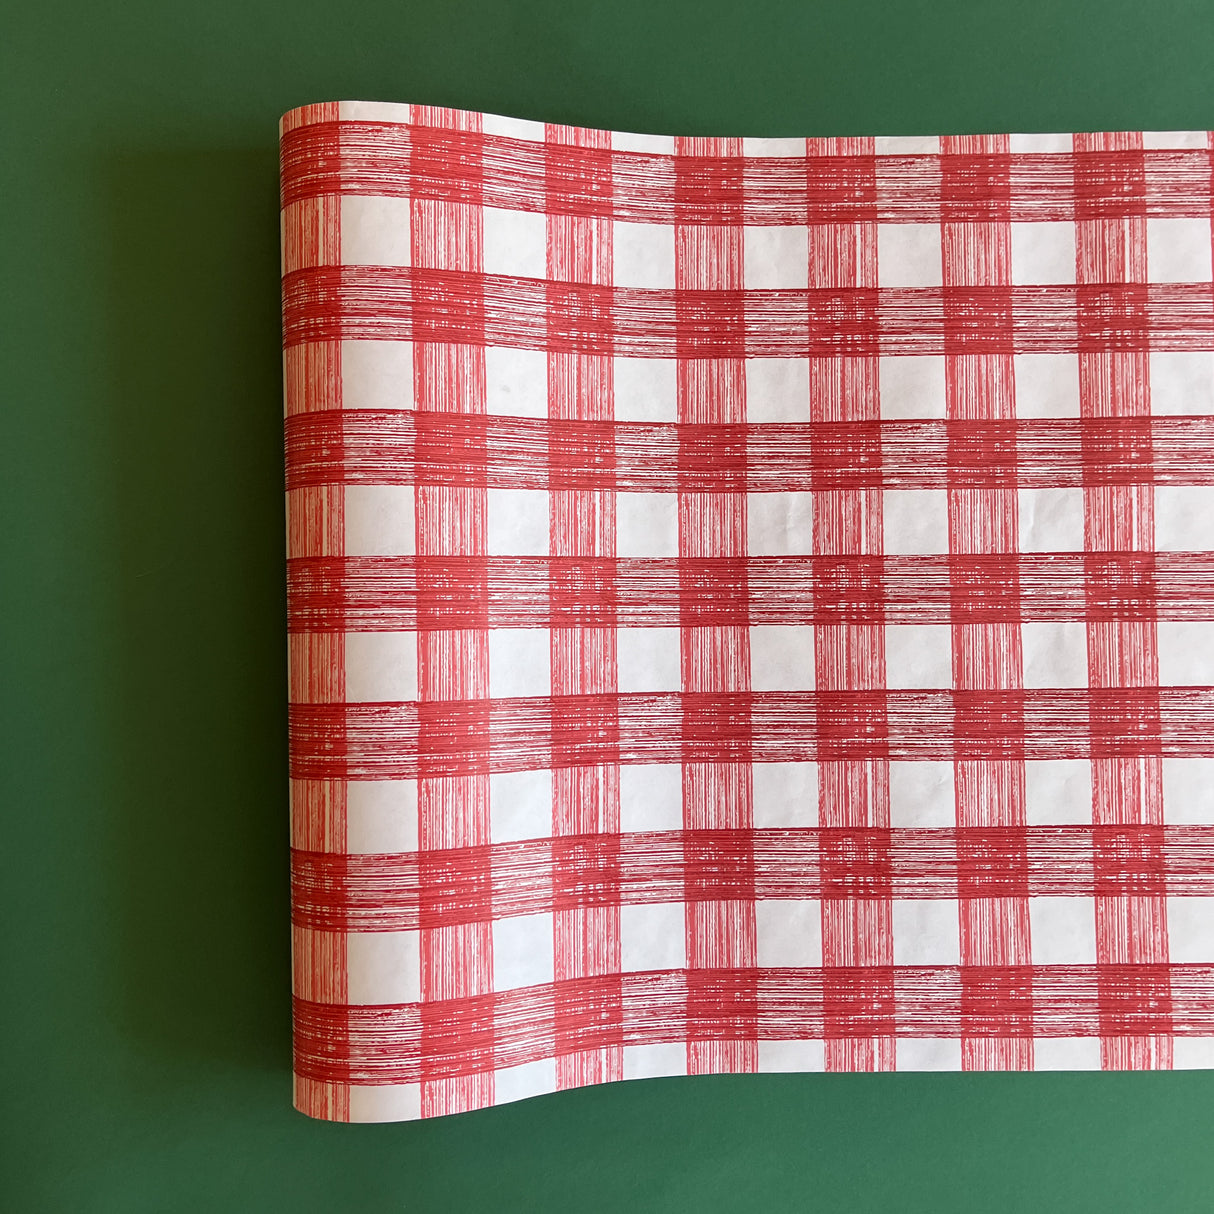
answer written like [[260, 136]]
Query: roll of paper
[[751, 604]]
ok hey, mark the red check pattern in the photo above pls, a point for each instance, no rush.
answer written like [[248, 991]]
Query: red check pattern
[[751, 604]]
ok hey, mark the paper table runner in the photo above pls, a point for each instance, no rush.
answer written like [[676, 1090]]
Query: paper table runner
[[751, 604]]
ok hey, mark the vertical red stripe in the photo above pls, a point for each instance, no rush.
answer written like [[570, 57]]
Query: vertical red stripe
[[311, 236], [848, 656], [1121, 653], [453, 811], [585, 798], [715, 658], [987, 656]]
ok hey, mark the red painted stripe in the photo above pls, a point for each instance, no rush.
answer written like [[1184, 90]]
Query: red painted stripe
[[714, 657], [989, 791], [585, 797], [410, 447], [849, 655], [396, 303], [700, 1006], [453, 804], [1126, 788], [377, 158], [332, 891], [311, 236], [380, 741], [407, 593]]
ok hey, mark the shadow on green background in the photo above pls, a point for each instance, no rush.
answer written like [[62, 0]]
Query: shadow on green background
[[144, 866], [196, 852]]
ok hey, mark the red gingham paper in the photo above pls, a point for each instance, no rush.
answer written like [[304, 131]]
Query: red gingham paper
[[751, 604]]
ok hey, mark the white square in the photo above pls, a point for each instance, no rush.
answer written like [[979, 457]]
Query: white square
[[927, 931], [516, 382], [915, 521], [520, 805], [376, 1102], [1175, 139], [907, 145], [1034, 142], [646, 390], [375, 231], [1066, 1054], [1050, 520], [373, 111], [1186, 653], [517, 522], [1043, 252], [1182, 382], [379, 520], [797, 1057], [909, 255], [381, 817], [1184, 518], [512, 128], [779, 524], [1063, 931], [520, 662], [776, 258], [1191, 930], [1055, 653], [918, 656], [1192, 1053], [646, 524], [381, 667], [760, 146], [522, 951], [912, 386], [781, 657], [777, 389], [383, 967], [649, 659], [921, 794], [643, 255], [1047, 385], [788, 933], [1057, 792], [784, 795], [928, 1054], [1178, 250], [651, 797], [655, 1060], [634, 141], [516, 242], [653, 937], [1188, 792], [377, 374], [521, 1082]]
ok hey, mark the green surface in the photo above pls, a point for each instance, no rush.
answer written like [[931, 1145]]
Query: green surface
[[146, 1018]]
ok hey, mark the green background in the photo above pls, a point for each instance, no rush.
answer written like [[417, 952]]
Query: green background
[[145, 1003]]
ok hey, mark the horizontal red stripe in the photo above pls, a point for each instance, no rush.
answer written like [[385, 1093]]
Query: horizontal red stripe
[[337, 892], [341, 1044], [330, 303], [410, 593], [466, 166], [347, 446], [384, 741]]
